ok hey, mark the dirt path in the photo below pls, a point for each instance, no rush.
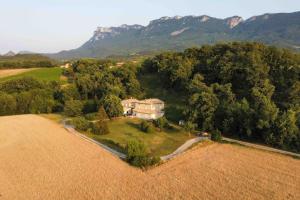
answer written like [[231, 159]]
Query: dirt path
[[39, 159], [182, 148], [261, 147], [11, 72], [112, 151]]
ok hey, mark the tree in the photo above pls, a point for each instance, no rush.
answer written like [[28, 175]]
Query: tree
[[189, 127], [8, 104], [202, 107], [216, 136], [137, 154], [70, 93], [265, 109], [102, 114], [81, 124], [73, 108], [101, 127], [112, 106], [161, 123], [285, 133], [146, 127]]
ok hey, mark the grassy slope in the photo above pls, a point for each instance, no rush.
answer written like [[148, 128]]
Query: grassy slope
[[44, 74], [158, 143]]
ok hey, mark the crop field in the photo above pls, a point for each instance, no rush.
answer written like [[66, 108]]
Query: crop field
[[39, 159], [11, 72], [43, 74]]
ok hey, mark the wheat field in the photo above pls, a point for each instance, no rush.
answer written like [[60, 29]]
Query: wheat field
[[39, 159], [12, 72]]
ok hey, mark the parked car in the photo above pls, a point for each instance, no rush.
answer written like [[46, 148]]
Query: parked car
[[203, 134]]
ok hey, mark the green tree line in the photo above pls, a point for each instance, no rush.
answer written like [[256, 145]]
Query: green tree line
[[245, 90]]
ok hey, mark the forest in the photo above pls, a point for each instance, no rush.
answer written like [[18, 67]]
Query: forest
[[248, 91], [244, 90]]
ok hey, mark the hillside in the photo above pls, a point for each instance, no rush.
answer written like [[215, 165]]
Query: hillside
[[35, 150], [25, 61], [178, 33]]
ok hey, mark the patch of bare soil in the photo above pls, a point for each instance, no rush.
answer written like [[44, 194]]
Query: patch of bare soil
[[11, 72], [39, 159]]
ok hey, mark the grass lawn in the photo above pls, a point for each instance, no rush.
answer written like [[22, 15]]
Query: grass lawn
[[174, 101], [158, 143], [43, 74]]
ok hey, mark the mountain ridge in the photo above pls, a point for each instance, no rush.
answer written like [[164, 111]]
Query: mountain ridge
[[179, 32]]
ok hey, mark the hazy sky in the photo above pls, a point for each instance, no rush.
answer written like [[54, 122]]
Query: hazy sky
[[54, 25]]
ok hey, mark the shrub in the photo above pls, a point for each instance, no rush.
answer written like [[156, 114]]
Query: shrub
[[216, 136], [8, 104], [102, 114], [73, 108], [91, 116], [81, 124], [146, 127], [137, 154], [100, 128], [161, 123]]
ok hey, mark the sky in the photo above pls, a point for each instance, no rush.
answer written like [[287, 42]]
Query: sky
[[47, 26]]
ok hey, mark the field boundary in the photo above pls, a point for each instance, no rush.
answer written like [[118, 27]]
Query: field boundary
[[177, 152], [261, 147], [71, 129]]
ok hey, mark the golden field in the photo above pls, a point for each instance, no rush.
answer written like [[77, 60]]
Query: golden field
[[12, 72], [39, 159]]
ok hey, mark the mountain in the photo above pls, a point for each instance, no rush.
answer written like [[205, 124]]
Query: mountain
[[26, 52], [9, 54], [177, 33]]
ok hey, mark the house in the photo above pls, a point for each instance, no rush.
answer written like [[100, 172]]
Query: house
[[65, 66], [143, 109]]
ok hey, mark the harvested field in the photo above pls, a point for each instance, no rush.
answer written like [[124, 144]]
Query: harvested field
[[12, 72], [40, 160]]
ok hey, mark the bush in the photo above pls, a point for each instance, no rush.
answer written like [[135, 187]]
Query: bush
[[81, 124], [216, 136], [91, 116], [100, 128], [8, 104], [146, 127], [73, 108], [137, 154], [161, 123], [144, 161]]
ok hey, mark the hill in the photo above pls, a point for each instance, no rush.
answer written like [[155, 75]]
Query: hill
[[25, 61], [178, 33], [35, 150]]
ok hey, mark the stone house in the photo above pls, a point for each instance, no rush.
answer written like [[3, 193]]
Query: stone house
[[144, 109]]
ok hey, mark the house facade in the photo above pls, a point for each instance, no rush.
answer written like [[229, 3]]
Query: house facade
[[144, 109]]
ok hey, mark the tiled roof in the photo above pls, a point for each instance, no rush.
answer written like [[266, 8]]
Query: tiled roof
[[146, 101]]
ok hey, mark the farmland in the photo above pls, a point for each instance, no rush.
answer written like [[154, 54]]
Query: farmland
[[35, 150], [43, 74], [12, 72]]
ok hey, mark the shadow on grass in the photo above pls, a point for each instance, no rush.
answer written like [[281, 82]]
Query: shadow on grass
[[112, 144], [133, 125]]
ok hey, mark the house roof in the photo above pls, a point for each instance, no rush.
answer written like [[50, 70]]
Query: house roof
[[130, 101], [146, 101], [154, 101]]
